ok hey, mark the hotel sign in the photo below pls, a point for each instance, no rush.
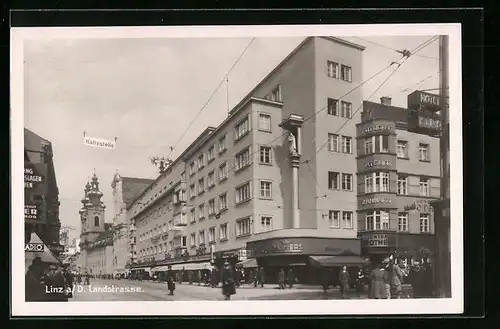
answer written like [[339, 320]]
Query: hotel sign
[[429, 123], [378, 240], [378, 163], [422, 100]]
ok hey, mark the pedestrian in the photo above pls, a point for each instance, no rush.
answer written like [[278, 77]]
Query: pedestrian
[[290, 278], [213, 277], [325, 279], [255, 277], [395, 278], [262, 277], [344, 280], [281, 279], [87, 278], [228, 281], [416, 279], [170, 280], [377, 282], [360, 282], [34, 289], [55, 285], [237, 278]]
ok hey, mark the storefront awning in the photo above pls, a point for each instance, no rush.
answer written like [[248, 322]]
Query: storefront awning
[[248, 263], [336, 261], [45, 255], [160, 268], [141, 269]]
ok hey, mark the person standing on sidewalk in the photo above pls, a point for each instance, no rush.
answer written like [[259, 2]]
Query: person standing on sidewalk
[[228, 281], [290, 278], [377, 282], [281, 279], [170, 281], [262, 277], [344, 280], [395, 278], [237, 278], [326, 279], [360, 282]]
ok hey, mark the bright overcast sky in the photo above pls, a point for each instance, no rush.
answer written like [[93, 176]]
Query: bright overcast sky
[[146, 91]]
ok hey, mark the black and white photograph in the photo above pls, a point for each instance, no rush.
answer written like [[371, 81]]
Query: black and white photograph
[[237, 170]]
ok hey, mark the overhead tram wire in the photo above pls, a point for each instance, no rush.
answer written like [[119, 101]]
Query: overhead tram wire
[[404, 59], [393, 49], [414, 85], [211, 96]]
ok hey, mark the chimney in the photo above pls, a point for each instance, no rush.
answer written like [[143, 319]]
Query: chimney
[[385, 101]]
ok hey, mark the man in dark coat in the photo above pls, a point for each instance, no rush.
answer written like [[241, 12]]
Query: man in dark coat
[[170, 281], [290, 278], [262, 277], [237, 278], [281, 279], [87, 278], [54, 285], [344, 280], [228, 281], [34, 288]]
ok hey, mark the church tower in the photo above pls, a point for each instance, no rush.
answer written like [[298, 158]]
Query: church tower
[[92, 212]]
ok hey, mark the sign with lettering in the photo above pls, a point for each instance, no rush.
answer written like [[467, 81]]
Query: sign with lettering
[[31, 178], [378, 163], [419, 99], [31, 212], [377, 127], [429, 123], [37, 247], [376, 200], [286, 246], [378, 240], [99, 142], [422, 206]]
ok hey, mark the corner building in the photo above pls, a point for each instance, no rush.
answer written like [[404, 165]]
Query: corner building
[[398, 179], [241, 191]]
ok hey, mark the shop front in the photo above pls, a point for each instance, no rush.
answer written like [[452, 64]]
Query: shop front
[[306, 257]]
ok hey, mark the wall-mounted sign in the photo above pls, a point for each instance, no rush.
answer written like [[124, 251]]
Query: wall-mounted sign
[[99, 142], [419, 99], [375, 200], [286, 246], [378, 163], [38, 247], [429, 123], [422, 206], [378, 240], [31, 178], [376, 127], [31, 212]]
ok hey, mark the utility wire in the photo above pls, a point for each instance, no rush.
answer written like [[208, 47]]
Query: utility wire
[[210, 98], [406, 89], [392, 49]]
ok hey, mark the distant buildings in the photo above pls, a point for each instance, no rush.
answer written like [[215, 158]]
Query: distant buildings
[[41, 209]]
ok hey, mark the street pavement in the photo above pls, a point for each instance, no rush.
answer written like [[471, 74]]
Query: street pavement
[[127, 290]]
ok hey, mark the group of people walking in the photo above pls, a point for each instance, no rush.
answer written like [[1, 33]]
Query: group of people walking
[[47, 283]]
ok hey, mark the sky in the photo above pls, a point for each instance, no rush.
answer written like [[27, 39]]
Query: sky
[[146, 91]]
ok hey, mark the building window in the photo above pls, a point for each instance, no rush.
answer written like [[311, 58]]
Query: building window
[[402, 185], [377, 182], [276, 95], [211, 207], [346, 144], [201, 185], [192, 215], [96, 221], [423, 151], [402, 222], [377, 144], [222, 143], [266, 189], [192, 191], [266, 223], [243, 227], [424, 223], [211, 235], [402, 149], [333, 143], [243, 193], [243, 159], [211, 153], [424, 187], [369, 148], [346, 73], [334, 218], [211, 179], [222, 171], [333, 180], [201, 237], [264, 122], [369, 183], [265, 155], [347, 182], [184, 242], [201, 161], [377, 220], [201, 211], [223, 232], [346, 110], [347, 219], [193, 240], [192, 169], [241, 128], [333, 107], [333, 70], [223, 201]]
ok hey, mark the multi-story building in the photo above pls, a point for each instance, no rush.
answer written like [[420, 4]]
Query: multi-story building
[[41, 212], [125, 190], [262, 185], [398, 178], [96, 237]]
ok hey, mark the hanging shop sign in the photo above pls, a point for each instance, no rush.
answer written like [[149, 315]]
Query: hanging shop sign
[[378, 240], [429, 123], [422, 100], [31, 178], [37, 247]]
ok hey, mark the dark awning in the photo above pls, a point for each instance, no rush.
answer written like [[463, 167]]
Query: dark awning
[[336, 261]]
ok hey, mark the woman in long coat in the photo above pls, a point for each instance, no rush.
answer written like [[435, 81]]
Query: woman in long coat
[[170, 281], [281, 279], [344, 280], [228, 281], [377, 283]]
